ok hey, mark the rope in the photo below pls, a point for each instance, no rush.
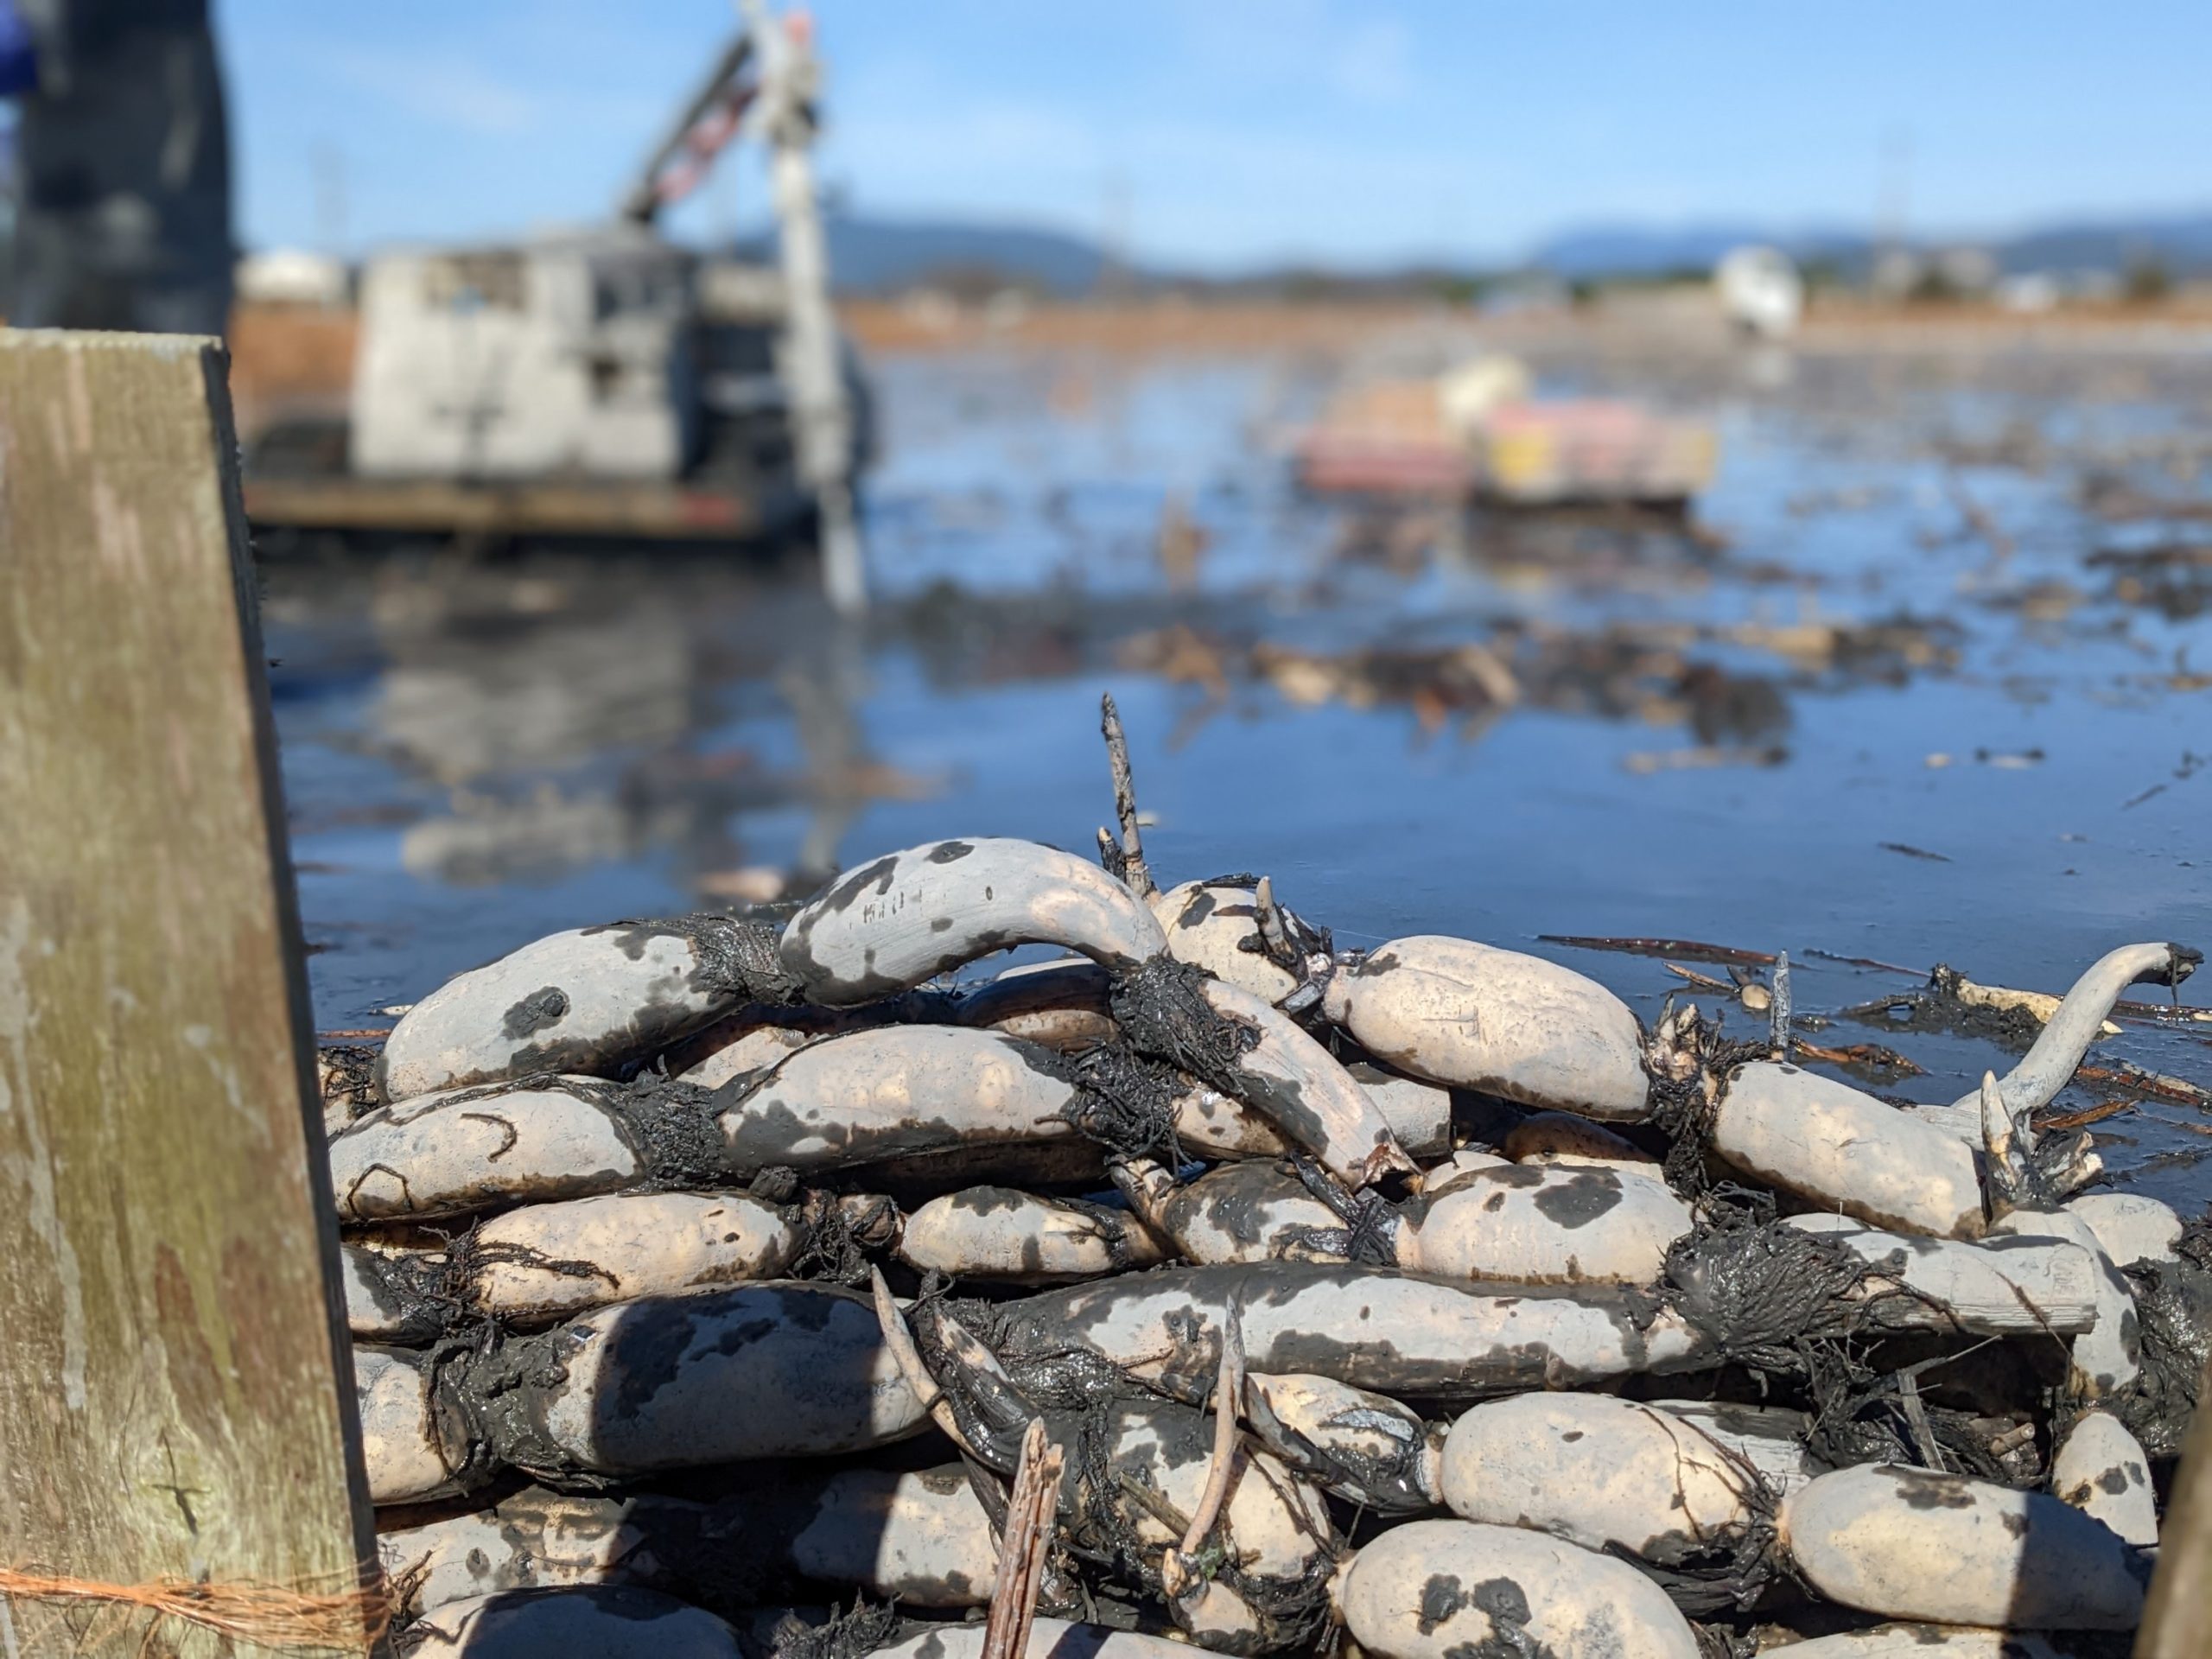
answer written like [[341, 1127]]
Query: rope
[[277, 1617]]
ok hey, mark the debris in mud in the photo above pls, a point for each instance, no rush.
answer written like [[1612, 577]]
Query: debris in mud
[[1653, 674], [1884, 651], [1869, 1060], [1436, 683], [2116, 499], [1689, 949], [1242, 1315], [1951, 1002], [1979, 520], [1914, 852], [2172, 578], [2088, 1115], [1181, 544], [2191, 763], [2120, 1074], [1704, 757]]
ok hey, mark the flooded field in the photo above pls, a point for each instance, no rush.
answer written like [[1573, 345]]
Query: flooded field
[[1919, 681]]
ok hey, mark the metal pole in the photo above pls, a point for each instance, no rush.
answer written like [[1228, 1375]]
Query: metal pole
[[813, 377]]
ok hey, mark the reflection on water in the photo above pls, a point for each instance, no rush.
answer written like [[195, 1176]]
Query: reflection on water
[[1941, 606]]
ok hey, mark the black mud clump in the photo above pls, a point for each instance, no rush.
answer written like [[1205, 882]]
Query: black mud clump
[[1301, 942], [777, 1184], [348, 1076], [1101, 1504], [1125, 1103], [420, 1293], [1389, 1480], [853, 1634], [2195, 1244], [1775, 1299], [1122, 1232], [1295, 1614], [1707, 1575], [1688, 1077], [839, 1246], [2173, 1311], [1161, 1009], [1853, 1423], [674, 1127], [1802, 1309], [1875, 1418], [736, 956], [488, 1399], [1051, 1373], [677, 1129], [1084, 1400], [1086, 1403], [1580, 1198], [1500, 1600], [425, 1296], [1371, 1222], [992, 1409], [534, 1012], [2047, 1178], [1935, 1008], [1719, 1642]]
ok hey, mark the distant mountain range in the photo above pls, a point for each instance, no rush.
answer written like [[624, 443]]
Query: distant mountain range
[[2182, 243], [1645, 251], [889, 256], [886, 256]]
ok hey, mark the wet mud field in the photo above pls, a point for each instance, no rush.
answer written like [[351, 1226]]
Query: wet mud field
[[1922, 679]]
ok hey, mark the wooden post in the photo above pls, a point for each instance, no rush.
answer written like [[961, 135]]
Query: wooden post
[[2178, 1621], [176, 1385]]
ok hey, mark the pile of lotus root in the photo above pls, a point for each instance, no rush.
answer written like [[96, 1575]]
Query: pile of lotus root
[[790, 1282]]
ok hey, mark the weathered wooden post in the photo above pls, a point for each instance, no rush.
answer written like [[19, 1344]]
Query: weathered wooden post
[[2177, 1620], [175, 1388]]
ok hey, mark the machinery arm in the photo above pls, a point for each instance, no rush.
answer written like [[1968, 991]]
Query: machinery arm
[[710, 120]]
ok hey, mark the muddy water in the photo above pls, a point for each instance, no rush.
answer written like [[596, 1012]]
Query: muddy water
[[1917, 683]]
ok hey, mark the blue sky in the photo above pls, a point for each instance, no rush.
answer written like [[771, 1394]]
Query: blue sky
[[1225, 133]]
